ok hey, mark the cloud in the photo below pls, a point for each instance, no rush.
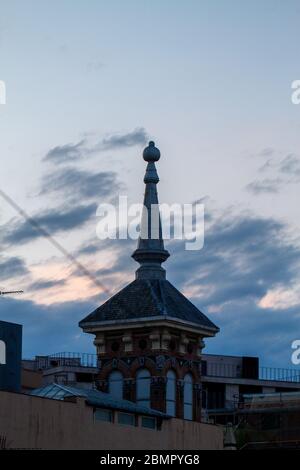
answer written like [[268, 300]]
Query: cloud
[[267, 166], [243, 256], [137, 137], [66, 153], [290, 165], [81, 184], [48, 329], [52, 221], [266, 152], [246, 279], [245, 249], [45, 284], [246, 329], [282, 173], [12, 267], [281, 298], [82, 149], [270, 186]]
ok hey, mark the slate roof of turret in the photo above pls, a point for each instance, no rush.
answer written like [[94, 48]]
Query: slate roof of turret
[[153, 299]]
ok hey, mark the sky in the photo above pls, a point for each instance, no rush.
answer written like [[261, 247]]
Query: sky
[[87, 85]]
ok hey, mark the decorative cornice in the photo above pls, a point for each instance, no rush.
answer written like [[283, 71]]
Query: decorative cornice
[[160, 320]]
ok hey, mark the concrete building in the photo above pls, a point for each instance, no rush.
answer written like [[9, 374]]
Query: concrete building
[[269, 421], [62, 368], [75, 419], [225, 379]]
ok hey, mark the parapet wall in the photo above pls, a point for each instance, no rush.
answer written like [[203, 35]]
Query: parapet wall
[[41, 423]]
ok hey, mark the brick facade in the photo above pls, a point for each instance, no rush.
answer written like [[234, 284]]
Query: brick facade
[[158, 351]]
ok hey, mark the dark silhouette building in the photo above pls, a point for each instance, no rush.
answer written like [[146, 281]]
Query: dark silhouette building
[[10, 356]]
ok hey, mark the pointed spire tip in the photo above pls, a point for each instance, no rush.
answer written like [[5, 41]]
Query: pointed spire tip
[[150, 252]]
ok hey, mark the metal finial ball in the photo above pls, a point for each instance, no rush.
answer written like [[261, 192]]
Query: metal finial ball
[[151, 153]]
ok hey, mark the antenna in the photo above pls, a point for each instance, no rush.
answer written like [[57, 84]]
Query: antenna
[[11, 292]]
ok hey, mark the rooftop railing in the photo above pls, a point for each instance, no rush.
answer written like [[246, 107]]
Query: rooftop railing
[[211, 369], [66, 359], [280, 374], [224, 370]]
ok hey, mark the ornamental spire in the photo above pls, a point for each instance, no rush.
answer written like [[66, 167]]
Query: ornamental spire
[[150, 252]]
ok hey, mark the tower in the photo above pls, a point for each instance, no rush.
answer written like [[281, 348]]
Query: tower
[[149, 336]]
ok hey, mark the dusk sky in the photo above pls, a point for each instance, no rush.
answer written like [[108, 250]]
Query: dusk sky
[[87, 85]]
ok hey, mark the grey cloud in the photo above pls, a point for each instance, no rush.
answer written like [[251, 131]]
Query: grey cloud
[[266, 152], [66, 153], [90, 248], [79, 184], [243, 257], [247, 330], [268, 165], [123, 261], [94, 245], [52, 221], [49, 329], [290, 165], [264, 186], [12, 267], [283, 172], [83, 149], [45, 284], [122, 250], [137, 137]]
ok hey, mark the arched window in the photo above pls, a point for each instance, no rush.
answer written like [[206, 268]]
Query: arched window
[[2, 352], [143, 386], [171, 393], [115, 384], [188, 397]]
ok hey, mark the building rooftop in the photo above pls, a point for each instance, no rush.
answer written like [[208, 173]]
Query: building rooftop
[[153, 299], [94, 398]]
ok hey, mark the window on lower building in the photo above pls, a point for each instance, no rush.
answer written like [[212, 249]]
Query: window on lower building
[[171, 393], [188, 397], [103, 415], [115, 384], [126, 418], [143, 387], [148, 422]]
